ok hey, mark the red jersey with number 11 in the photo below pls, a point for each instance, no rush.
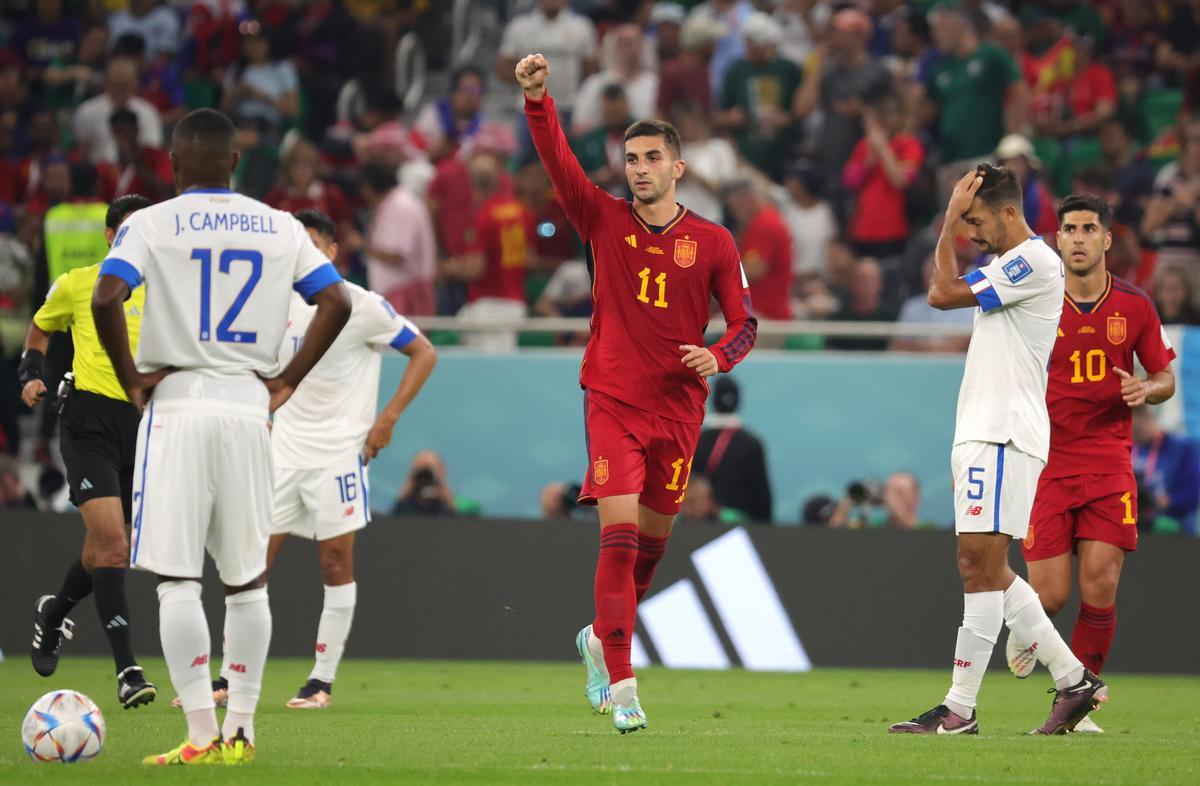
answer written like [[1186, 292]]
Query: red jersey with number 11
[[651, 287], [1090, 424]]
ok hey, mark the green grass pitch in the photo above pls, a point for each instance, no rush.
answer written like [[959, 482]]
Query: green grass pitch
[[523, 723]]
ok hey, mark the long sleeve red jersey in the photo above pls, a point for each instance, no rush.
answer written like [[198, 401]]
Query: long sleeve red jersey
[[650, 287]]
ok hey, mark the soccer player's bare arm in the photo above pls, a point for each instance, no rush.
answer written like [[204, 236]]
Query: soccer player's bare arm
[[947, 290], [422, 357]]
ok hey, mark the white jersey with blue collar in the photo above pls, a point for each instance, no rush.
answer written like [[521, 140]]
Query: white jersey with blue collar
[[1003, 393], [333, 408], [219, 270]]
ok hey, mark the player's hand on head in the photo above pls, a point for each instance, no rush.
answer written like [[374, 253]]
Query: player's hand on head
[[532, 71], [1133, 390], [33, 392], [964, 194], [699, 359]]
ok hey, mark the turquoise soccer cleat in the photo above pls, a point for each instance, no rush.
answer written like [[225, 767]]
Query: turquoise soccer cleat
[[629, 717], [596, 688]]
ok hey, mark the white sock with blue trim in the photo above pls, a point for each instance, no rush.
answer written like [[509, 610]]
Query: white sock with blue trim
[[333, 630]]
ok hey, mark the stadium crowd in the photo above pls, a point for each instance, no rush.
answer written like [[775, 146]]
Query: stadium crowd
[[824, 133]]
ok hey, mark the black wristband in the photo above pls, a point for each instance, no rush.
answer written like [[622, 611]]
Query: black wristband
[[32, 363]]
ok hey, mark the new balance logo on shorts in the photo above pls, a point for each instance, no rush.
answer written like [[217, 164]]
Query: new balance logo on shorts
[[85, 485], [974, 510]]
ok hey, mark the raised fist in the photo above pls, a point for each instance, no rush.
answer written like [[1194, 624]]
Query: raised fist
[[532, 71]]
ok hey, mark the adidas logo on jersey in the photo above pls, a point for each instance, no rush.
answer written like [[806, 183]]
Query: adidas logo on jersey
[[631, 240], [85, 485]]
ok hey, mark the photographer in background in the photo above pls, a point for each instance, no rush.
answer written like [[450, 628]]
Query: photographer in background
[[426, 490], [870, 505], [732, 457]]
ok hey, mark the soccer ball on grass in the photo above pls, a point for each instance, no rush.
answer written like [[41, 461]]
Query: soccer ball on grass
[[63, 726]]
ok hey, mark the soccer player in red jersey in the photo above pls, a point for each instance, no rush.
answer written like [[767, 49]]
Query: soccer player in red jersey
[[655, 266], [1086, 501]]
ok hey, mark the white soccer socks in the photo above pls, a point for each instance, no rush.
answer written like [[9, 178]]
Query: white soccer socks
[[1028, 622], [247, 638], [333, 630], [983, 616], [183, 629]]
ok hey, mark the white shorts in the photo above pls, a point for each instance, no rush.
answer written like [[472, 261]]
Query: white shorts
[[321, 503], [202, 481], [994, 486]]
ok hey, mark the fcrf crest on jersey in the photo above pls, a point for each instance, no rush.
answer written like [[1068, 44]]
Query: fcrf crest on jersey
[[1116, 329], [685, 252]]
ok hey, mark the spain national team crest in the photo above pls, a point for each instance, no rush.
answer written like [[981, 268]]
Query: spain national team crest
[[685, 253], [600, 471], [1116, 330]]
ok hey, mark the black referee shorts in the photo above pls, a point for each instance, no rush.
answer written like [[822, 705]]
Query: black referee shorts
[[98, 436]]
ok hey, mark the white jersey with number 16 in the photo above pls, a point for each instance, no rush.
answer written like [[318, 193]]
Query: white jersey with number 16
[[219, 270]]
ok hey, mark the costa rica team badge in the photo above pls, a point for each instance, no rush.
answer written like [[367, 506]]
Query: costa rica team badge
[[685, 252], [600, 471], [1116, 329]]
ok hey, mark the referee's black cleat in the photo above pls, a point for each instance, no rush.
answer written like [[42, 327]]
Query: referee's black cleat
[[132, 688], [47, 640]]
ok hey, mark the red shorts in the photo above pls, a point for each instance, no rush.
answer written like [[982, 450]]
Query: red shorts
[[1081, 507], [632, 451]]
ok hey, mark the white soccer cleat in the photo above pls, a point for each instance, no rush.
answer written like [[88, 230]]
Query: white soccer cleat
[[1021, 659], [315, 695], [1088, 726]]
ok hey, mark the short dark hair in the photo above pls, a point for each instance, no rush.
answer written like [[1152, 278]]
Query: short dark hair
[[1000, 187], [1089, 202], [312, 218], [120, 208], [84, 179], [656, 128], [613, 92], [123, 116], [465, 71], [379, 177], [129, 45], [207, 126]]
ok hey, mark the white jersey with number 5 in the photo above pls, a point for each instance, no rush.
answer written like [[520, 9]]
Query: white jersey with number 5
[[1003, 393], [333, 409], [219, 270]]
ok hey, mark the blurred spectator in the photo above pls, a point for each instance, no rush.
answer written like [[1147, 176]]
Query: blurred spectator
[[699, 502], [494, 265], [842, 80], [567, 39], [666, 22], [156, 24], [74, 224], [391, 144], [917, 311], [1168, 466], [301, 188], [624, 54], [801, 22], [730, 15], [15, 100], [732, 457], [1016, 152], [568, 293], [1174, 298], [883, 164], [685, 78], [711, 163], [756, 98], [556, 239], [399, 243], [69, 81], [16, 296], [1132, 175], [975, 93], [140, 169], [561, 500], [42, 138], [901, 499], [91, 121], [161, 81], [817, 510], [1091, 98], [809, 218], [323, 39], [1172, 216], [911, 53], [259, 87], [13, 495], [864, 304], [45, 38], [426, 490], [601, 151], [1048, 66], [766, 250], [447, 123], [869, 505]]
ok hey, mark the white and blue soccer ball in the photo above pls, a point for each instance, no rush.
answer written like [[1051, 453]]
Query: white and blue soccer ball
[[63, 726]]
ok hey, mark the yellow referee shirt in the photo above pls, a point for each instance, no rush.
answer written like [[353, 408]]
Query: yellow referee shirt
[[69, 305]]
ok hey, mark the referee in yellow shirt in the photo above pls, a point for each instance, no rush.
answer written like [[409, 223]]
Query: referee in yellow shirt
[[98, 436]]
